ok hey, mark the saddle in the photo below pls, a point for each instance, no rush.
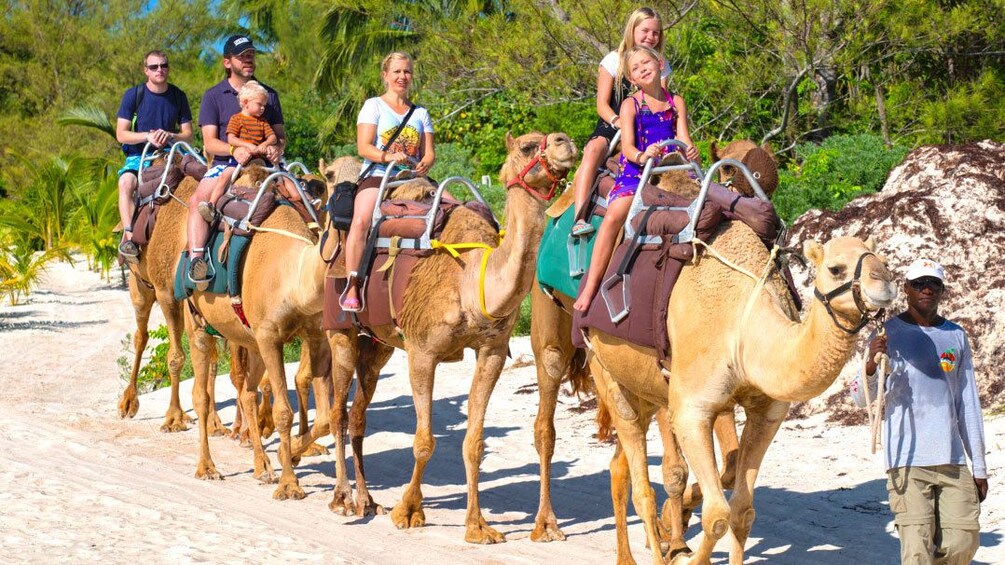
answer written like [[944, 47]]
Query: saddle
[[405, 231], [156, 187]]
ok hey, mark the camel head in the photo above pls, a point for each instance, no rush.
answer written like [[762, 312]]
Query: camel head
[[538, 162], [342, 169], [852, 281], [760, 161]]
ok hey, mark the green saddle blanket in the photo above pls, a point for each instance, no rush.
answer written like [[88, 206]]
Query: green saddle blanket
[[225, 276], [562, 260]]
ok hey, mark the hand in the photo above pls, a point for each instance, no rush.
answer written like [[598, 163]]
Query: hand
[[652, 152], [692, 153], [982, 489], [273, 154], [242, 155], [158, 138], [399, 156], [423, 167], [877, 346]]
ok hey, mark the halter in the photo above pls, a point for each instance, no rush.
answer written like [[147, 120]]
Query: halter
[[855, 286], [541, 159]]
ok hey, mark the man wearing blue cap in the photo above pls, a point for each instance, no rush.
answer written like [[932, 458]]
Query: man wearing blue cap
[[933, 422], [219, 103]]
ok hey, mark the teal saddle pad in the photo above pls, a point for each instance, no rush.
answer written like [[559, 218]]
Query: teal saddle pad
[[562, 260], [225, 275]]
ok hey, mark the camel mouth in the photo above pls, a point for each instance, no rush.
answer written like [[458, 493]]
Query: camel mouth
[[881, 298]]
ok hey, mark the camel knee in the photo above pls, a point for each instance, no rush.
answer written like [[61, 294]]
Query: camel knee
[[675, 479], [283, 417], [357, 423], [474, 447], [715, 520], [423, 447], [742, 521], [544, 439]]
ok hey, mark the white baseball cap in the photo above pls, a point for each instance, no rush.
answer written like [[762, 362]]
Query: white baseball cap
[[925, 268]]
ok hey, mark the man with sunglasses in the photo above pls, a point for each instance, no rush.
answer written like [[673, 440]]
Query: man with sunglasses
[[932, 423], [156, 112], [219, 104]]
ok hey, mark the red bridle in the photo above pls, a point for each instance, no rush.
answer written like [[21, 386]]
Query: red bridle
[[541, 159]]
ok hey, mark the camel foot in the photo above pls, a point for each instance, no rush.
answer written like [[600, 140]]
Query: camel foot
[[264, 472], [242, 437], [289, 490], [265, 423], [176, 421], [681, 558], [214, 427], [129, 404], [365, 506], [482, 533], [546, 530], [206, 471], [342, 503], [313, 450], [404, 517], [622, 560]]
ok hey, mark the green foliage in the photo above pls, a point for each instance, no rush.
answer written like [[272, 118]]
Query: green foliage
[[21, 267], [832, 173], [154, 373], [522, 326]]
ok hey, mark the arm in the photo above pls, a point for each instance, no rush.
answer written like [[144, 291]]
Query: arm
[[365, 134], [275, 151], [856, 387], [185, 134], [682, 132], [605, 86], [969, 420], [125, 135], [628, 148], [428, 155]]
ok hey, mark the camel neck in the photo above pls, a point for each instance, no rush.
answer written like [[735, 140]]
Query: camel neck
[[510, 268]]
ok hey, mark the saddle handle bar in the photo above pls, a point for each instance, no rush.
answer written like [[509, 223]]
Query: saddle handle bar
[[648, 170]]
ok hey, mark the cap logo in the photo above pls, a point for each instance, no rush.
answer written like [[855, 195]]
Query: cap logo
[[240, 40]]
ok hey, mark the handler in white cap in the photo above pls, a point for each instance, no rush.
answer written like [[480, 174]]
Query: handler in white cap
[[933, 422]]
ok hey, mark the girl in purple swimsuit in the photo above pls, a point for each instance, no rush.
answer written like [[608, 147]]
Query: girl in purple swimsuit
[[656, 117]]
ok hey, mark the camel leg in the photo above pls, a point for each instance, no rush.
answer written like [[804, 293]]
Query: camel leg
[[214, 424], [372, 357], [489, 366], [239, 378], [143, 302], [620, 489], [270, 347], [693, 429], [265, 422], [303, 380], [199, 345], [674, 480], [725, 431], [344, 353], [248, 396], [175, 420], [762, 424], [421, 371], [632, 440], [549, 338]]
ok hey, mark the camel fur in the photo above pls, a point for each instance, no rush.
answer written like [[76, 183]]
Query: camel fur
[[442, 316]]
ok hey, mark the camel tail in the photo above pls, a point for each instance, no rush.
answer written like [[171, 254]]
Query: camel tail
[[579, 374], [605, 424]]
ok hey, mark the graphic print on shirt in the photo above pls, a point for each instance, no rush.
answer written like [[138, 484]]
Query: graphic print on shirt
[[407, 141], [948, 360]]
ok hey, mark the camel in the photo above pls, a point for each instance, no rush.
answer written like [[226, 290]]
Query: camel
[[735, 340], [152, 281], [557, 360], [442, 315]]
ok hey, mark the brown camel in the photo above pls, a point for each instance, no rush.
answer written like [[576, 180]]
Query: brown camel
[[152, 281], [735, 341], [282, 297], [442, 315], [557, 360]]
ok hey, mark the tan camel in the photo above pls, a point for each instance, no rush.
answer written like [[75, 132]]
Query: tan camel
[[152, 281], [736, 342], [557, 360], [442, 316], [283, 283]]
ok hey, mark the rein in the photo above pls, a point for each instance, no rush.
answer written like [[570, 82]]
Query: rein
[[540, 159], [855, 286]]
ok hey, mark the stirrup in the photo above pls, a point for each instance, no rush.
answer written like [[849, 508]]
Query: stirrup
[[349, 304]]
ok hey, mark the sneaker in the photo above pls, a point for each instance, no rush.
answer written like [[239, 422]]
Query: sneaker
[[129, 250], [581, 228], [198, 269], [207, 211]]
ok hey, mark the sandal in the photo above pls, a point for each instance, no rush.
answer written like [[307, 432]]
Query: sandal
[[581, 228], [350, 305], [198, 270], [207, 211]]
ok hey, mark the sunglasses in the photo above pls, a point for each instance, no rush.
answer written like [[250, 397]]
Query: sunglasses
[[163, 66], [931, 284]]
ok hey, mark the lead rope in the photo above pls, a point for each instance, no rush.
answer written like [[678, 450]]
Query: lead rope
[[875, 409]]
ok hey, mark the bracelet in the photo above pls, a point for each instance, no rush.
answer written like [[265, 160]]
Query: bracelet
[[231, 149], [611, 121]]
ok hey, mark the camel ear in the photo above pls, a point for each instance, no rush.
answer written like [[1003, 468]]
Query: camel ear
[[814, 251], [510, 142], [322, 166], [714, 148], [870, 244], [767, 147]]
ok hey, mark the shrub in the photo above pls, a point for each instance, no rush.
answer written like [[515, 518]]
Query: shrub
[[831, 174]]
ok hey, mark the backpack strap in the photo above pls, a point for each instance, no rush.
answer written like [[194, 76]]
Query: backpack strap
[[138, 91]]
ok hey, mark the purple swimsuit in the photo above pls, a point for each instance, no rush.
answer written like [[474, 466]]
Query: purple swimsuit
[[650, 127]]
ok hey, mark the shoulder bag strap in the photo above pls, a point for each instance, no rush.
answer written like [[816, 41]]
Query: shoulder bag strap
[[390, 140]]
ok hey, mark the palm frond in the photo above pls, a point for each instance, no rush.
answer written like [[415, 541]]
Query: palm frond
[[88, 116]]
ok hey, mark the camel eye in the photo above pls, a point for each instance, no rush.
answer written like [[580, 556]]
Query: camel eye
[[528, 149], [836, 271]]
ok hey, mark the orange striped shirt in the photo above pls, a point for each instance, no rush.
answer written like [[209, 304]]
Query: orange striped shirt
[[249, 128]]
